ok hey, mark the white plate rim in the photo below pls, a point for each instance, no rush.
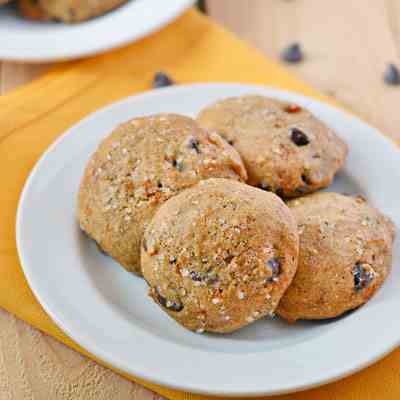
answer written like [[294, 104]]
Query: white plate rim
[[334, 374], [65, 53]]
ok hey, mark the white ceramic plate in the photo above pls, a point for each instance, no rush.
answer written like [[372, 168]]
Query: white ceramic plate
[[106, 310], [23, 40]]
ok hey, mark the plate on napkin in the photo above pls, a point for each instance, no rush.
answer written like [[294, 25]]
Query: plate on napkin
[[31, 41], [106, 310]]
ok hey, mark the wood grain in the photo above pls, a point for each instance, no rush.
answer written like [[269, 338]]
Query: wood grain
[[347, 45], [34, 366]]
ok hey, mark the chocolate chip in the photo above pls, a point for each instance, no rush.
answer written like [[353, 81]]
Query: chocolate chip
[[362, 277], [178, 165], [161, 79], [292, 108], [194, 144], [168, 304], [306, 179], [275, 265], [264, 186], [292, 54], [172, 259], [279, 192], [195, 276], [144, 245], [392, 75], [159, 185], [229, 259], [230, 141], [298, 137]]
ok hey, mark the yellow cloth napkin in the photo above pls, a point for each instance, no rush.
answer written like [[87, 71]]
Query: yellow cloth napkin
[[192, 49]]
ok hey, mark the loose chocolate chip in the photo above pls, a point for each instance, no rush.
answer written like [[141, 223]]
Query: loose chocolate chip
[[169, 305], [194, 144], [264, 186], [362, 277], [279, 192], [292, 54], [298, 137], [392, 75], [195, 276], [275, 265], [161, 79], [292, 108]]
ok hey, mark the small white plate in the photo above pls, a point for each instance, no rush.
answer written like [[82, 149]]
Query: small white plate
[[106, 310], [24, 40]]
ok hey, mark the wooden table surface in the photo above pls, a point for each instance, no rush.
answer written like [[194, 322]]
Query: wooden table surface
[[347, 43]]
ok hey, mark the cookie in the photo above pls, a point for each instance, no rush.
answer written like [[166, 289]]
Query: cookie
[[78, 10], [285, 148], [140, 165], [220, 255], [31, 9], [344, 257]]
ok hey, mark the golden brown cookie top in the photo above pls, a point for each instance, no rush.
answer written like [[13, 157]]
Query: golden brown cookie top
[[220, 255], [141, 164], [344, 257], [284, 147]]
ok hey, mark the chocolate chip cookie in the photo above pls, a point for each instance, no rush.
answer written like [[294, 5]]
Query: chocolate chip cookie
[[285, 148], [344, 257], [220, 255], [78, 10], [140, 165]]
